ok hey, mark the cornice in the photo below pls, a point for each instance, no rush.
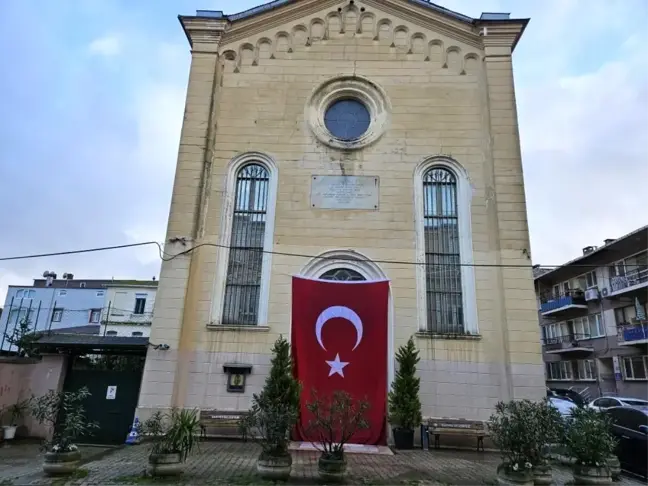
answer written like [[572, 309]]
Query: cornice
[[411, 12], [203, 31], [291, 11]]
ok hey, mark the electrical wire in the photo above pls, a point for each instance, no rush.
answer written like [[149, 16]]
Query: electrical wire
[[289, 254]]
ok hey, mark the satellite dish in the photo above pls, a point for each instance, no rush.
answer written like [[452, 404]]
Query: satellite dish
[[46, 273]]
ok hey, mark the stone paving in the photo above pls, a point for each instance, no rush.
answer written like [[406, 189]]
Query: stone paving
[[233, 463]]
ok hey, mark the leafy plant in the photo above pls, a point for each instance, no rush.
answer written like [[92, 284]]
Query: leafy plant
[[404, 401], [588, 439], [275, 410], [514, 430], [173, 433], [23, 337], [16, 411], [335, 420], [63, 412]]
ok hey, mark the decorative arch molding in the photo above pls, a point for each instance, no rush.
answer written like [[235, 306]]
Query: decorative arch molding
[[350, 259], [464, 203], [222, 259]]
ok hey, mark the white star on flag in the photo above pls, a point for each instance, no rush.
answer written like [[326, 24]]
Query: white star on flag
[[337, 366]]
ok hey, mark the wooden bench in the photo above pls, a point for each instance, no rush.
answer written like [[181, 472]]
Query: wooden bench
[[217, 423], [436, 427]]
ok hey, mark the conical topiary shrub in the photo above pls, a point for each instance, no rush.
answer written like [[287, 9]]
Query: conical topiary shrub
[[404, 401]]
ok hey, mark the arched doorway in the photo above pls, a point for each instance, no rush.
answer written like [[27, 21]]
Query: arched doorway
[[342, 275]]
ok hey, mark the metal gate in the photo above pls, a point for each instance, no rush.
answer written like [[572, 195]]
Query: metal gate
[[114, 383]]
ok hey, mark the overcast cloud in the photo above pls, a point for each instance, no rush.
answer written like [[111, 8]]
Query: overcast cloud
[[92, 96]]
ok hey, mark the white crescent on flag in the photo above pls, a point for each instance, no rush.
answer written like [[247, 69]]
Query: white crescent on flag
[[343, 313]]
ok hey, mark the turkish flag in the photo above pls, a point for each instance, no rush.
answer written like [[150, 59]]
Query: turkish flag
[[339, 342]]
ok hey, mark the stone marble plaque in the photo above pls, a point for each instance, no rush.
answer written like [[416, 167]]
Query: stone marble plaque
[[345, 192]]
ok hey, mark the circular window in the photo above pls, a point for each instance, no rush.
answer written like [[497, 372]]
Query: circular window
[[348, 112], [347, 119]]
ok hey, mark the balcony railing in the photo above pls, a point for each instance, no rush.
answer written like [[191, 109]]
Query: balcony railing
[[552, 303], [633, 333], [565, 344], [637, 278], [128, 318]]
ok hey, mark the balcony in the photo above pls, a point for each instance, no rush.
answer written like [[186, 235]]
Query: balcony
[[131, 318], [630, 282], [567, 344], [633, 333], [552, 304]]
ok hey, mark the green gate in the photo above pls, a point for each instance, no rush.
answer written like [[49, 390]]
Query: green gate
[[114, 383]]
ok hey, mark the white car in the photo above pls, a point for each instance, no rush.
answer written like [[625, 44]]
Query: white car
[[604, 403], [565, 407]]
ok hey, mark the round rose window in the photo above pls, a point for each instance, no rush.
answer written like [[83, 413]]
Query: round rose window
[[347, 119]]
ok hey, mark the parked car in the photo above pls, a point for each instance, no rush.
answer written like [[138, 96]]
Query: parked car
[[604, 403], [565, 407], [572, 395], [630, 427]]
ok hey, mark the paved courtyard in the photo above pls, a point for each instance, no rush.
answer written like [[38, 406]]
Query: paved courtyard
[[233, 463]]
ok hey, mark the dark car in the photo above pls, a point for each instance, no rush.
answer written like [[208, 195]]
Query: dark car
[[572, 395], [630, 427]]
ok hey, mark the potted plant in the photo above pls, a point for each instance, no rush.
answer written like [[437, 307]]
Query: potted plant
[[335, 420], [64, 414], [589, 442], [512, 431], [548, 426], [404, 401], [15, 412], [273, 415], [174, 436]]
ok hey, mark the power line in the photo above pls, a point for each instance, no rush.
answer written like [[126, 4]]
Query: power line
[[299, 255]]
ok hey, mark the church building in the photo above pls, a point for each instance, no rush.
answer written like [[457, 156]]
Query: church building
[[348, 140]]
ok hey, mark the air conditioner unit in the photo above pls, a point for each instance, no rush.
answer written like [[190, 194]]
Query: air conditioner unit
[[592, 294], [605, 292]]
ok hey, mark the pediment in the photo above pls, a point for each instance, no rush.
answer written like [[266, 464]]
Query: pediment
[[407, 27]]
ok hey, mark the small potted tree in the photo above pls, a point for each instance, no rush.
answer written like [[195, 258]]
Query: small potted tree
[[590, 443], [548, 426], [14, 413], [404, 401], [273, 415], [512, 431], [64, 414], [174, 437], [335, 420]]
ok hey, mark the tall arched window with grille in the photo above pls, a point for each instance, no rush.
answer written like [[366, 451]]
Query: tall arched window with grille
[[245, 265], [445, 313]]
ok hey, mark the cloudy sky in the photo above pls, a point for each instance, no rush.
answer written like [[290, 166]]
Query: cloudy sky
[[92, 95]]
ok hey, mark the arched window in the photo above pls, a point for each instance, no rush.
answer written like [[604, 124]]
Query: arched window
[[343, 275], [442, 253], [447, 300], [246, 252]]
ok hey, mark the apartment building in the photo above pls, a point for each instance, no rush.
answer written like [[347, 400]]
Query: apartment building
[[593, 319], [128, 308]]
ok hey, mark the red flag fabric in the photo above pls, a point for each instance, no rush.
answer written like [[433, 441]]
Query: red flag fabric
[[339, 342]]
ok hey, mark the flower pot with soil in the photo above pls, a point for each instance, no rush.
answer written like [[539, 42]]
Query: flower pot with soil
[[14, 413], [515, 474], [62, 462], [404, 401], [273, 414], [332, 469]]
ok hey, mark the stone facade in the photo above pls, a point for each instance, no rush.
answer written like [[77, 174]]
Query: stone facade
[[447, 91]]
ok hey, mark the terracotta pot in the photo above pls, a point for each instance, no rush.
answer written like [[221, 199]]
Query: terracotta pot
[[161, 465], [591, 474], [542, 475], [59, 463], [274, 468], [332, 470], [507, 477], [403, 438], [615, 467]]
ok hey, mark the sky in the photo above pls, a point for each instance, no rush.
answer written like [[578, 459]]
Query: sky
[[92, 98]]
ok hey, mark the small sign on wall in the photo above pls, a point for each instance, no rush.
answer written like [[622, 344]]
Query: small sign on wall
[[111, 392], [236, 373]]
